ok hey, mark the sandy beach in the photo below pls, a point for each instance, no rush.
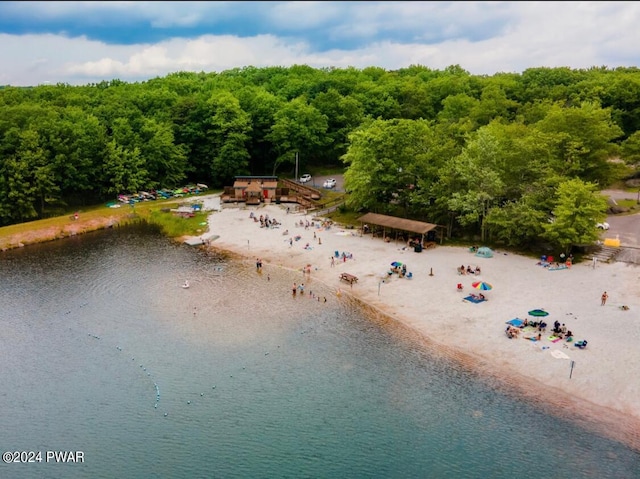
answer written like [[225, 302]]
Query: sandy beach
[[604, 383]]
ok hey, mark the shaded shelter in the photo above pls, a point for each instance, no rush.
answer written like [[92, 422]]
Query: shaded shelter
[[397, 224]]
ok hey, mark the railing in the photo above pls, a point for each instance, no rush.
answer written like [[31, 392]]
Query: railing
[[331, 206], [303, 189]]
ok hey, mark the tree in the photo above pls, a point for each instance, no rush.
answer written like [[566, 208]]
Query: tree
[[386, 160], [584, 141], [493, 104], [165, 162], [518, 223], [469, 184], [261, 106], [124, 169], [228, 132], [630, 149], [190, 117], [578, 208], [343, 115], [299, 127]]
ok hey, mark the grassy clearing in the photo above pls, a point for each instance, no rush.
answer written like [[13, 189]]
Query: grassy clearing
[[100, 217], [627, 203], [632, 207], [175, 226]]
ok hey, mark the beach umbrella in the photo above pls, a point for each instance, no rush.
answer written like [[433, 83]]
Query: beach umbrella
[[396, 264], [482, 285], [541, 313]]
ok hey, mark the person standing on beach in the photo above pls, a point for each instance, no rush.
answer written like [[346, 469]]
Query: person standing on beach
[[605, 296], [294, 290], [333, 261]]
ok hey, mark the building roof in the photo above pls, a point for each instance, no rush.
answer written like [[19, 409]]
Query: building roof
[[263, 183], [272, 178], [253, 187], [397, 223]]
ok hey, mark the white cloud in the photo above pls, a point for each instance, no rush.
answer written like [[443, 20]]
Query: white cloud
[[572, 34], [300, 16]]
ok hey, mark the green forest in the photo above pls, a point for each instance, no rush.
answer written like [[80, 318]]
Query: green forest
[[512, 158]]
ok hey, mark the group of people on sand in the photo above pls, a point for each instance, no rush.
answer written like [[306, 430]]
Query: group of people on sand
[[512, 331], [479, 296], [265, 221], [559, 330], [400, 270], [469, 270]]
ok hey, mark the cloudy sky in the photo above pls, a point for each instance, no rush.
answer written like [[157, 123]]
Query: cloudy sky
[[86, 42]]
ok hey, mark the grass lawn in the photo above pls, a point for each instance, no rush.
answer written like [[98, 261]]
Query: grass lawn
[[100, 217]]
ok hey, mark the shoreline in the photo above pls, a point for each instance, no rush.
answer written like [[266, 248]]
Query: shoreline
[[602, 391]]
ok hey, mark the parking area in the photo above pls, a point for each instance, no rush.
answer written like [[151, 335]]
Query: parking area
[[318, 181], [624, 227]]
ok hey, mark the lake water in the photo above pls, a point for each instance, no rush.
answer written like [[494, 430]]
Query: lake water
[[104, 352]]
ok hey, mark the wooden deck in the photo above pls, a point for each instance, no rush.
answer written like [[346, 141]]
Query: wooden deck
[[349, 278]]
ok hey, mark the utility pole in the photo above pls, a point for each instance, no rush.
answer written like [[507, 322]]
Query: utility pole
[[297, 178]]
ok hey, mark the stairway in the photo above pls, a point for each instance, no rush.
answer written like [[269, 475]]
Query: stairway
[[606, 253]]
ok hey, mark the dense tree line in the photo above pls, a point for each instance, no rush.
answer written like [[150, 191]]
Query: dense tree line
[[507, 156]]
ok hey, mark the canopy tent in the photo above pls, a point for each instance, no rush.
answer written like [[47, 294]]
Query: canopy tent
[[484, 252], [398, 224]]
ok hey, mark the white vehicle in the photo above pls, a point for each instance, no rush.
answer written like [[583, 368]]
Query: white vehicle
[[330, 183], [305, 178], [603, 226]]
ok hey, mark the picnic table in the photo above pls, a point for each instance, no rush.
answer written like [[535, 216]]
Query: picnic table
[[349, 278]]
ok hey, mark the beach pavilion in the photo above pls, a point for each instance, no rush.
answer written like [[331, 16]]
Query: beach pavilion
[[398, 225]]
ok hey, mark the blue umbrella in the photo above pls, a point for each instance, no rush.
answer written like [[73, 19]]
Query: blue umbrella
[[396, 264]]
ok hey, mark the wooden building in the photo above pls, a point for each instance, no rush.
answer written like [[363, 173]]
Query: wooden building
[[252, 189]]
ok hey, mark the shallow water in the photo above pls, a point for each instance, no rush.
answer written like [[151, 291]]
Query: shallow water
[[104, 352]]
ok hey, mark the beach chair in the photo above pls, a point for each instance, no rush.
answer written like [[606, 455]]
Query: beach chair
[[409, 275]]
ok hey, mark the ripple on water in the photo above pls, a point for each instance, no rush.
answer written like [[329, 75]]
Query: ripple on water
[[279, 386]]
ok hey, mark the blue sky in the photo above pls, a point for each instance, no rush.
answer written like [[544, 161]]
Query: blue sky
[[85, 42]]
